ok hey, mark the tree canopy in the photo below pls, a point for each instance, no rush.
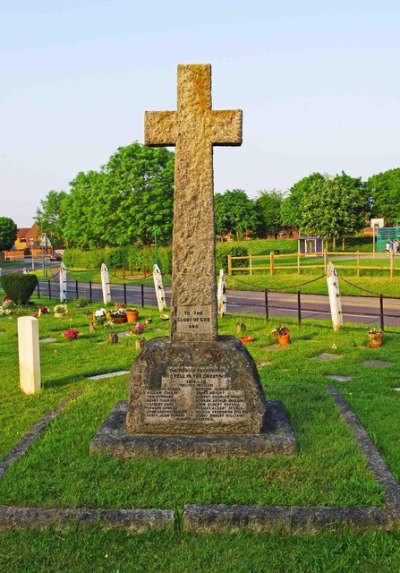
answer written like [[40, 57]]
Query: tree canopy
[[269, 204], [334, 207], [292, 205], [123, 203], [384, 190], [50, 215], [234, 213], [8, 233]]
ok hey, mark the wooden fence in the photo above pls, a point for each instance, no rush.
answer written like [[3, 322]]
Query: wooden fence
[[274, 262]]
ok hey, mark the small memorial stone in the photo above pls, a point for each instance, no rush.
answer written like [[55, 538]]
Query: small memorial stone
[[326, 357]]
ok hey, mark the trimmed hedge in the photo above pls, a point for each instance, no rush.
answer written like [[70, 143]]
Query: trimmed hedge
[[144, 257], [19, 286]]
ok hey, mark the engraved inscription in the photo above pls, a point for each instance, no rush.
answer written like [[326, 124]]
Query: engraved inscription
[[193, 319], [195, 393]]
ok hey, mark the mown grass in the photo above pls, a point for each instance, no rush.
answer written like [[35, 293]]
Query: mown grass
[[329, 469]]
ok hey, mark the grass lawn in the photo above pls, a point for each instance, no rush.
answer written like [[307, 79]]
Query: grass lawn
[[329, 470]]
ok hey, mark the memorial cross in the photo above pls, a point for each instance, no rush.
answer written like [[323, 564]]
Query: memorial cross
[[193, 129]]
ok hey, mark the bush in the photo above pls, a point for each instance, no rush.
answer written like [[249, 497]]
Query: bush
[[19, 286], [222, 252]]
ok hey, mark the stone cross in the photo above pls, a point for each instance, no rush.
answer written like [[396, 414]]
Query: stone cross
[[193, 129]]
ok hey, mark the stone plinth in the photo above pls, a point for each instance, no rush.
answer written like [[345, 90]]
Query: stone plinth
[[29, 354], [276, 438], [195, 388]]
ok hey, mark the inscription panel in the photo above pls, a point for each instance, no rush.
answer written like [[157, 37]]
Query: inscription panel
[[195, 393], [193, 320]]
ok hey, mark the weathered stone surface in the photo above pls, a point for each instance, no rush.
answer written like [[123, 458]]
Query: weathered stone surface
[[339, 378], [277, 437], [135, 520], [204, 518], [327, 357], [376, 363], [195, 388], [194, 128]]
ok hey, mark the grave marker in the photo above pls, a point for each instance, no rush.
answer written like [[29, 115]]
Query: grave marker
[[29, 354], [158, 285], [105, 283], [221, 293], [63, 283]]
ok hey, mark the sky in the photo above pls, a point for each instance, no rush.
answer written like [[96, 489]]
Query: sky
[[318, 83]]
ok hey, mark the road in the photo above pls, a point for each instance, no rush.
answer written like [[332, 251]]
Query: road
[[355, 309]]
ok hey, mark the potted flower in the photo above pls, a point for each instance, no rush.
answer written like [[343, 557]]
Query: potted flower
[[375, 336], [71, 334], [132, 314], [282, 334], [139, 328], [118, 315], [60, 310]]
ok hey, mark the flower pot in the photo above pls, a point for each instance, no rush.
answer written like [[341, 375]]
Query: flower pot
[[119, 319], [58, 314], [247, 339], [375, 342], [132, 315], [284, 339]]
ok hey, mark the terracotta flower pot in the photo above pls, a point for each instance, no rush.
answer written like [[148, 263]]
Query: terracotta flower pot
[[247, 339], [132, 315], [119, 319], [375, 342], [284, 339]]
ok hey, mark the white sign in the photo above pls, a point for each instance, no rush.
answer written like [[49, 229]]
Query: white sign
[[377, 223], [334, 297], [105, 283], [63, 283], [221, 293], [158, 285]]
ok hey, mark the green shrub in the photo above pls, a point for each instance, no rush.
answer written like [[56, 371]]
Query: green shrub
[[19, 286], [222, 252]]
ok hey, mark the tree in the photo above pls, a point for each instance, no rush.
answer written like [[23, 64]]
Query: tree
[[234, 213], [268, 205], [125, 202], [384, 190], [50, 215], [334, 207], [291, 206], [8, 233]]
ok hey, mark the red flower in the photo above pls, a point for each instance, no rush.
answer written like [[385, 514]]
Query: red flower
[[71, 333]]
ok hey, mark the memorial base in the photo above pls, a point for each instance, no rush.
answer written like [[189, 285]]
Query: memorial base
[[277, 438]]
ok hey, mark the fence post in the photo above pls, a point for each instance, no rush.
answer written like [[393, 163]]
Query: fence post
[[142, 293], [271, 263], [325, 260], [49, 289], [266, 305], [123, 273], [125, 294], [230, 265], [299, 307], [90, 291], [250, 265], [38, 289], [381, 312], [76, 289], [298, 263], [391, 264], [358, 263]]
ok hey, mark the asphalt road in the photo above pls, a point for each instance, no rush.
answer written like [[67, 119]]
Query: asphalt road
[[355, 309]]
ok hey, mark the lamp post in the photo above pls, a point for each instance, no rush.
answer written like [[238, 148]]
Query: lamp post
[[31, 240]]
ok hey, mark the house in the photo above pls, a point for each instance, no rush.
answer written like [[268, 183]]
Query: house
[[28, 242]]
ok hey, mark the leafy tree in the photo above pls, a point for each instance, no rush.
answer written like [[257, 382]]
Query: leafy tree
[[123, 203], [50, 215], [8, 233], [234, 213], [384, 190], [268, 205], [291, 211], [334, 207]]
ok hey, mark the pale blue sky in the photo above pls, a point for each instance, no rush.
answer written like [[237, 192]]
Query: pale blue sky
[[318, 83]]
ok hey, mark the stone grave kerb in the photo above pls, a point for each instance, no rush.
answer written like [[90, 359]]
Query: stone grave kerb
[[193, 129]]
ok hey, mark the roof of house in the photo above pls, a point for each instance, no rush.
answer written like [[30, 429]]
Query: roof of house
[[28, 232]]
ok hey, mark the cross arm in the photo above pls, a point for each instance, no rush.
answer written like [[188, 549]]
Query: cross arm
[[226, 127], [160, 128]]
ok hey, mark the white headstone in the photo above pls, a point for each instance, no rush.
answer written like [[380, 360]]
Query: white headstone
[[105, 283], [29, 355], [63, 283], [158, 285], [221, 293], [334, 297]]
